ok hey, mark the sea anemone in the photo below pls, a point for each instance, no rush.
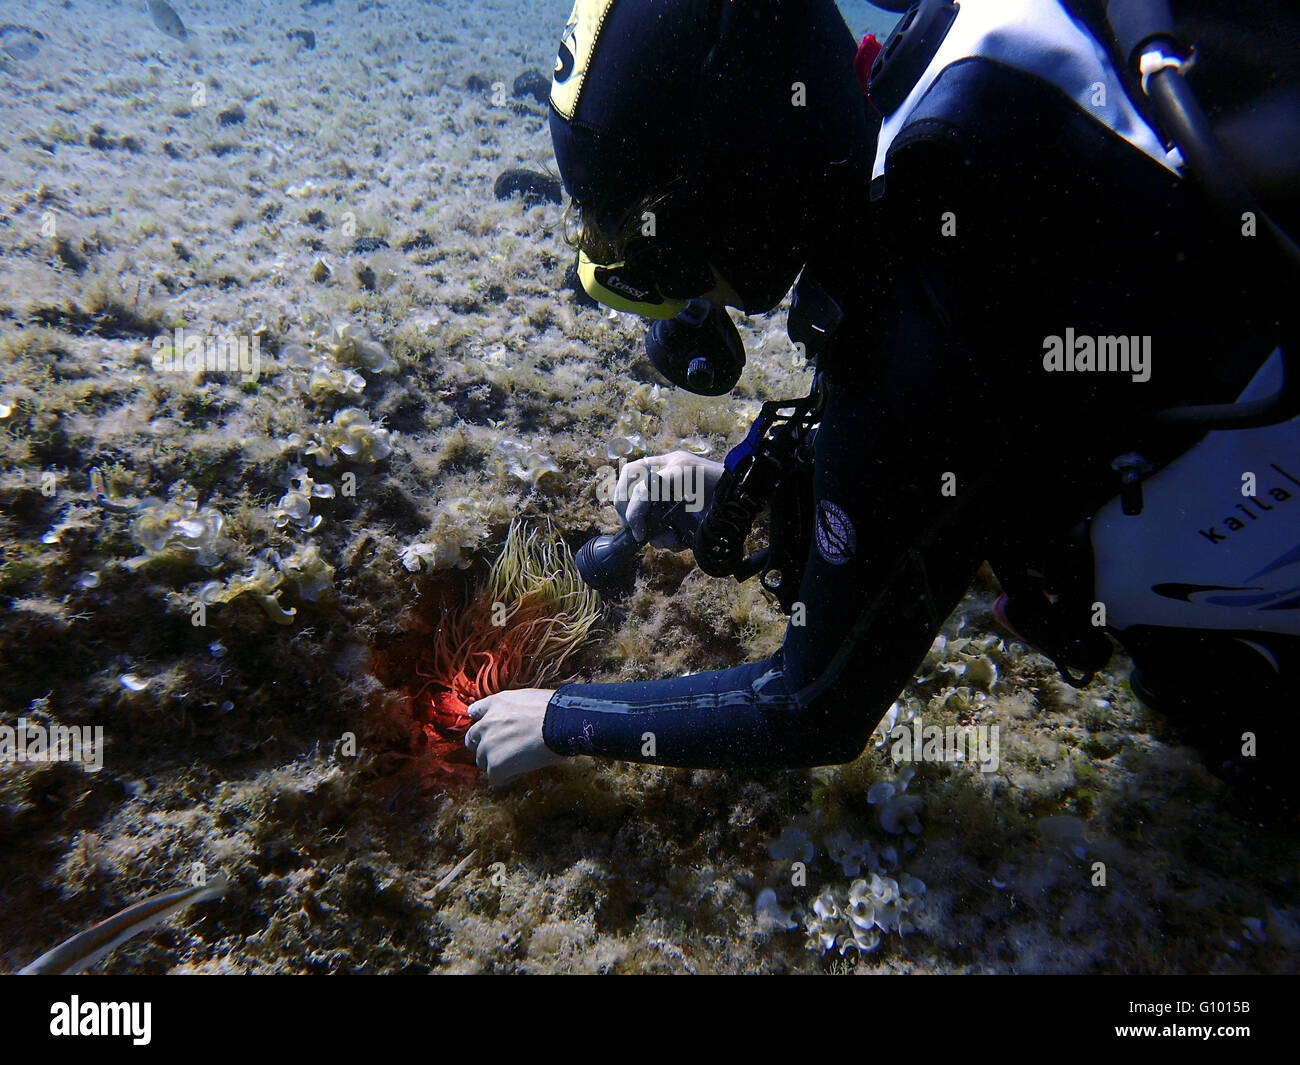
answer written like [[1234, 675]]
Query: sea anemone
[[521, 628]]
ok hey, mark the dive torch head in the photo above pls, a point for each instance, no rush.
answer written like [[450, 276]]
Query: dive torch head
[[608, 563]]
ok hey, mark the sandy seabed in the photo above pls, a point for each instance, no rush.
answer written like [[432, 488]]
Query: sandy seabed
[[419, 354]]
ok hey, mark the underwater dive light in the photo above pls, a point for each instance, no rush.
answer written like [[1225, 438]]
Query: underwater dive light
[[608, 563]]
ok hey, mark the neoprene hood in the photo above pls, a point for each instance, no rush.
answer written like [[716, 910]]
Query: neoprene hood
[[749, 113]]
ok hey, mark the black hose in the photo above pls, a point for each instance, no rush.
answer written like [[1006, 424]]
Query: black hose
[[1136, 23], [1185, 124], [1252, 414]]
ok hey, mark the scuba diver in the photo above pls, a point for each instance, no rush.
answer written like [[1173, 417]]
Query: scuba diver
[[1047, 293]]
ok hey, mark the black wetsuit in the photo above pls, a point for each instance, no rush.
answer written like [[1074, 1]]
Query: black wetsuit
[[938, 370]]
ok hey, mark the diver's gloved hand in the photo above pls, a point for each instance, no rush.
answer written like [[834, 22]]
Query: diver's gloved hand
[[506, 736], [681, 476]]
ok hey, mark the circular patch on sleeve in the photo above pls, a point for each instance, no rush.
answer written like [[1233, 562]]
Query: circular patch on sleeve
[[835, 535]]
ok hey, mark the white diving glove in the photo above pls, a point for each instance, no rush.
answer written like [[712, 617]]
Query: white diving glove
[[681, 476], [506, 736]]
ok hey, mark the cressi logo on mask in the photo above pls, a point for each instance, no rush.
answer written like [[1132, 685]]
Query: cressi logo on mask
[[623, 287]]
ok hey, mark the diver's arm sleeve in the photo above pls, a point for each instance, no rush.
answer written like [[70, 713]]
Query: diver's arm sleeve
[[740, 716], [818, 710], [874, 594]]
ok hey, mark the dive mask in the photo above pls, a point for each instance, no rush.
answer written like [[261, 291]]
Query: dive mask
[[650, 280]]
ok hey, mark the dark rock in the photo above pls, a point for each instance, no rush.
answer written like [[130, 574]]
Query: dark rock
[[535, 84], [98, 137], [231, 116], [477, 83], [574, 284], [536, 187], [366, 277], [69, 256], [307, 37], [364, 244], [418, 242], [116, 321], [19, 42]]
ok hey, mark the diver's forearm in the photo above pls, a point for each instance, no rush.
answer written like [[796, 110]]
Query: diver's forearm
[[744, 717]]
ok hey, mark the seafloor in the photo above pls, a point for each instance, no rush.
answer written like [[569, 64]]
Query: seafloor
[[336, 203]]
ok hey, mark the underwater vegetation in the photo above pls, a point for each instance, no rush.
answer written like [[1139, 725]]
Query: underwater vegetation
[[857, 918], [520, 628]]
